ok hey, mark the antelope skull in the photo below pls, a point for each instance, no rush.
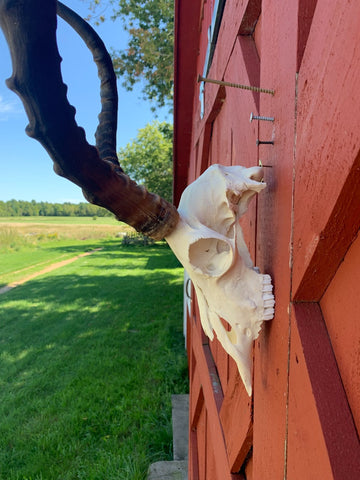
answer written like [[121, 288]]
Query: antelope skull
[[208, 241]]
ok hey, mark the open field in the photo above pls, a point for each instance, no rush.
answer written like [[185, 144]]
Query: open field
[[31, 243], [90, 354], [62, 227], [63, 220]]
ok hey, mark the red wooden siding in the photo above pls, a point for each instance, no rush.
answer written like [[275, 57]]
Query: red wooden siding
[[304, 417]]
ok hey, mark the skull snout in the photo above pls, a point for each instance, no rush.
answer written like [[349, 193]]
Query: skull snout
[[255, 173]]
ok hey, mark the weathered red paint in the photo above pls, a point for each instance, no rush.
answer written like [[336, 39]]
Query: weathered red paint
[[303, 419]]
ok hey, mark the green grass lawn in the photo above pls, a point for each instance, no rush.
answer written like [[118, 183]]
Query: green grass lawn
[[89, 357]]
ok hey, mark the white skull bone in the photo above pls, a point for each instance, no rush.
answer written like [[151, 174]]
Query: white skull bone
[[209, 243]]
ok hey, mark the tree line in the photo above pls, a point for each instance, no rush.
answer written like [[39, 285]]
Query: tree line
[[22, 208], [147, 159]]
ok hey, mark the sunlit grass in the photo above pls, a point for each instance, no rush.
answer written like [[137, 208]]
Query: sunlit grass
[[89, 357]]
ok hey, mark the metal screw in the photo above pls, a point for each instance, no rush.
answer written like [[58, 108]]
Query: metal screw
[[236, 85], [260, 142], [257, 117]]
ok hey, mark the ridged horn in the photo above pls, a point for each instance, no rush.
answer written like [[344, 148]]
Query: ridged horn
[[29, 27]]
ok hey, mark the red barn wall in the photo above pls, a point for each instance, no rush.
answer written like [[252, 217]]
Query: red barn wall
[[303, 419]]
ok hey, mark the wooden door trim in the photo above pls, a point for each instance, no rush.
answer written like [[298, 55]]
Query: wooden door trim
[[210, 388], [330, 243], [236, 420], [327, 145], [334, 413]]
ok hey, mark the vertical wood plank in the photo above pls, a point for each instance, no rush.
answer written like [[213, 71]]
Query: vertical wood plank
[[278, 72]]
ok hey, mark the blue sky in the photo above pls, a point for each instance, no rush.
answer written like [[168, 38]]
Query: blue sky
[[25, 168]]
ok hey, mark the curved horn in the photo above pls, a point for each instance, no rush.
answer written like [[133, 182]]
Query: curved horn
[[30, 30]]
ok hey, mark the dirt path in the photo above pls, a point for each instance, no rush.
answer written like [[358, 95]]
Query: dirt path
[[47, 269]]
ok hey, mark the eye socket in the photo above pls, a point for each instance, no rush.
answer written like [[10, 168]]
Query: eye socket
[[212, 256]]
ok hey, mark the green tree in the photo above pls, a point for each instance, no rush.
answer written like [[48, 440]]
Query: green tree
[[24, 208], [149, 53], [148, 158]]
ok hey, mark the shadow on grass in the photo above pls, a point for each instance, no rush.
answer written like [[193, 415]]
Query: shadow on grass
[[113, 250], [89, 359], [75, 248], [67, 306]]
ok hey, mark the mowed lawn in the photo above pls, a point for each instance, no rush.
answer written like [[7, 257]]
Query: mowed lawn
[[90, 355]]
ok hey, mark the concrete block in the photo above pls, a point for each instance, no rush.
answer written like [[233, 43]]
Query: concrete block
[[180, 425], [175, 470]]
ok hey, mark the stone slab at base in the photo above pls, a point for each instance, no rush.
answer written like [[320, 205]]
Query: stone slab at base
[[172, 470], [180, 425]]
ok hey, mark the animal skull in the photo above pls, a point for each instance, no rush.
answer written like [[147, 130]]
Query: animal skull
[[209, 243]]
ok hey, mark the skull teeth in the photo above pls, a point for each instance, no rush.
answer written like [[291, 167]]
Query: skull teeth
[[268, 298], [269, 303], [269, 310]]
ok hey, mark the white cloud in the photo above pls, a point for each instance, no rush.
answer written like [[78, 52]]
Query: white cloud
[[5, 106], [8, 107]]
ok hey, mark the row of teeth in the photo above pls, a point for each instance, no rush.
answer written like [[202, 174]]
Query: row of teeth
[[268, 298]]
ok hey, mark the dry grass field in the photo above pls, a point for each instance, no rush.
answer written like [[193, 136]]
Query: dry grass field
[[80, 228]]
